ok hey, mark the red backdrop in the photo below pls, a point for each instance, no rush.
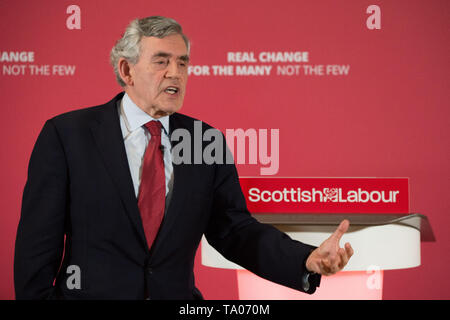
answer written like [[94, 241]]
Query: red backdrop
[[387, 117]]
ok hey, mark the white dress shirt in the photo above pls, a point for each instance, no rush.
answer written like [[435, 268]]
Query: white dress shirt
[[136, 138]]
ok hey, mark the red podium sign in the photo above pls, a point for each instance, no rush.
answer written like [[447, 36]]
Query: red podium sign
[[326, 195]]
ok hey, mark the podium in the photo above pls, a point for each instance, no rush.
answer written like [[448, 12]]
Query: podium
[[380, 241]]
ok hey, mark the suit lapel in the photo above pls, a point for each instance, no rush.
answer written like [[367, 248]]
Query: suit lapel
[[108, 137]]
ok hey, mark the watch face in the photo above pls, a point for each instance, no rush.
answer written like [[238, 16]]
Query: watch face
[[305, 281]]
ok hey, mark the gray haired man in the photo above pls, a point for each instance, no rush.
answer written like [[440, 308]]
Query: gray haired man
[[103, 190]]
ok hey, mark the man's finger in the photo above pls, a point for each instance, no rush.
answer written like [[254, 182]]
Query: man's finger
[[331, 266], [344, 258], [349, 249], [343, 227], [324, 267]]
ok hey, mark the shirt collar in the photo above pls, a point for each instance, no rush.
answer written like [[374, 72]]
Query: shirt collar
[[136, 117]]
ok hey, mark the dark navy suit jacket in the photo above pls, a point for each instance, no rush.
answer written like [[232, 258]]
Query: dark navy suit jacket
[[79, 208]]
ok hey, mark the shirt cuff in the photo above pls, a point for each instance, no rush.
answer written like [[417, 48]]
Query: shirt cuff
[[310, 280], [305, 281]]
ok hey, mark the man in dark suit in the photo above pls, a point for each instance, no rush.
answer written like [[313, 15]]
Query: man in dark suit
[[105, 202]]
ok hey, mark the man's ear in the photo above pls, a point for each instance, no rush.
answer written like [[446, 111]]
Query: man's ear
[[125, 71]]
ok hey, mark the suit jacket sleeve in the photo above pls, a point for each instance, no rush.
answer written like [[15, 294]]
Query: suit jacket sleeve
[[260, 248], [40, 235]]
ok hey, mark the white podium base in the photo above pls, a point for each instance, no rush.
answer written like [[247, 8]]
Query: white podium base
[[380, 242], [350, 285]]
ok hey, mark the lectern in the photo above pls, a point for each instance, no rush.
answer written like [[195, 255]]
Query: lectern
[[381, 241]]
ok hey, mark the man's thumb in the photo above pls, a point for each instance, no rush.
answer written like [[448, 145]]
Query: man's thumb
[[343, 227]]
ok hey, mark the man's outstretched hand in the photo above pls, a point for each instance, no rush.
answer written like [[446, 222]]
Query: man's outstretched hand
[[329, 258]]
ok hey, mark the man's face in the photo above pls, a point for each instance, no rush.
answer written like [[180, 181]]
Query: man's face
[[160, 75]]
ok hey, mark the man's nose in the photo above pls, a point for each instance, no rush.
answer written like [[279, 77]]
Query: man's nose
[[173, 70]]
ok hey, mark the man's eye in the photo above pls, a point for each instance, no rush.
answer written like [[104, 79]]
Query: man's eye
[[161, 62]]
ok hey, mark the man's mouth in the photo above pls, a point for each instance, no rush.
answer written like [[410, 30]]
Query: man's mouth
[[172, 90]]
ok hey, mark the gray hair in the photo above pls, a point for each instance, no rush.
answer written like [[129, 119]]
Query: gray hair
[[128, 46]]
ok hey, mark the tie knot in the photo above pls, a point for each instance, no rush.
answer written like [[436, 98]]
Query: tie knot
[[154, 127]]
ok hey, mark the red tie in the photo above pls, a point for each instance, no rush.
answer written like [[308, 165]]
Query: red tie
[[152, 191]]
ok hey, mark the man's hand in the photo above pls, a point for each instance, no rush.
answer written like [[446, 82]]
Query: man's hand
[[329, 258]]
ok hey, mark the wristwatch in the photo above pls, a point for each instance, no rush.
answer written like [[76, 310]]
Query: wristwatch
[[305, 279]]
